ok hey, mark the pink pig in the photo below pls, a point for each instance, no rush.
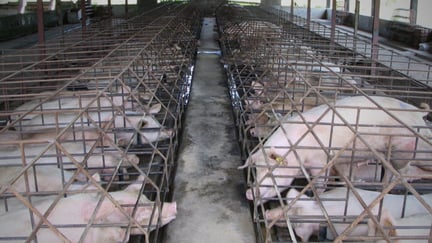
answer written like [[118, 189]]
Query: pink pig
[[356, 124], [74, 212]]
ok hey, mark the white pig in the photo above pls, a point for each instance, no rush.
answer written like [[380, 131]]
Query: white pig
[[152, 129], [293, 145], [417, 225], [74, 213], [41, 178], [148, 126], [60, 112], [371, 171], [48, 183], [322, 73], [74, 100], [100, 160], [334, 203]]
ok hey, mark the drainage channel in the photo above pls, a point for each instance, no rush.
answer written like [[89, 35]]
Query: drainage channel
[[208, 187]]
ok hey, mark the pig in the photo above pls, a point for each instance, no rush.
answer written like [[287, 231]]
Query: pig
[[417, 225], [47, 178], [264, 129], [334, 203], [371, 171], [292, 145], [147, 126], [276, 111], [153, 130], [10, 203], [74, 212], [70, 105], [323, 73], [75, 100], [97, 160]]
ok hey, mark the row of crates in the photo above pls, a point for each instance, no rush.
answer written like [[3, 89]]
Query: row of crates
[[336, 145], [90, 129]]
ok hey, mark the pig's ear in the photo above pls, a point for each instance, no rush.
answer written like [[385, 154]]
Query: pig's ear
[[154, 109]]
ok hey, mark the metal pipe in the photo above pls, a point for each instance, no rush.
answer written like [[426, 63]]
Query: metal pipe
[[375, 32], [333, 24], [356, 22], [83, 15], [292, 10], [413, 11], [308, 13], [40, 22]]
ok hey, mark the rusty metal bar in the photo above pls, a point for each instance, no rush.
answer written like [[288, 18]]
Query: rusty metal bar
[[333, 23], [40, 22], [375, 31], [104, 83], [277, 71]]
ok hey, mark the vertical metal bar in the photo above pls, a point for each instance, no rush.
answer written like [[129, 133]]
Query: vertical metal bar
[[126, 9], [356, 22], [40, 22], [59, 12], [83, 14], [375, 33], [413, 11], [308, 13], [346, 5], [292, 10], [333, 25]]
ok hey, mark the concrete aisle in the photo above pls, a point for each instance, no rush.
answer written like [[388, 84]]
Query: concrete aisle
[[208, 188]]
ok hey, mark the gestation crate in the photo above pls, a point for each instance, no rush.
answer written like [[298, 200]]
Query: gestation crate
[[90, 129], [336, 145]]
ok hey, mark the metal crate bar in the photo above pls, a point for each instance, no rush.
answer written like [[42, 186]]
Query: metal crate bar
[[326, 133]]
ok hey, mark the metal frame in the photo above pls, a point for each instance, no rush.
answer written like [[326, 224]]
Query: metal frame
[[115, 71], [278, 73]]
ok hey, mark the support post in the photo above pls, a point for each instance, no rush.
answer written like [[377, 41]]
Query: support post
[[413, 11], [356, 21], [83, 15], [40, 22], [292, 11], [110, 8], [333, 25], [375, 33], [308, 13], [59, 13], [126, 9]]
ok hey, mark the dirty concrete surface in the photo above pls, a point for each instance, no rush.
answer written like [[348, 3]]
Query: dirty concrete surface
[[208, 187]]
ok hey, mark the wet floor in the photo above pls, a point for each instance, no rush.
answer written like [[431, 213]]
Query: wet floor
[[208, 187]]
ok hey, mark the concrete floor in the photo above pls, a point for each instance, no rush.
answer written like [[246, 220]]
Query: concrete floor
[[208, 187]]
